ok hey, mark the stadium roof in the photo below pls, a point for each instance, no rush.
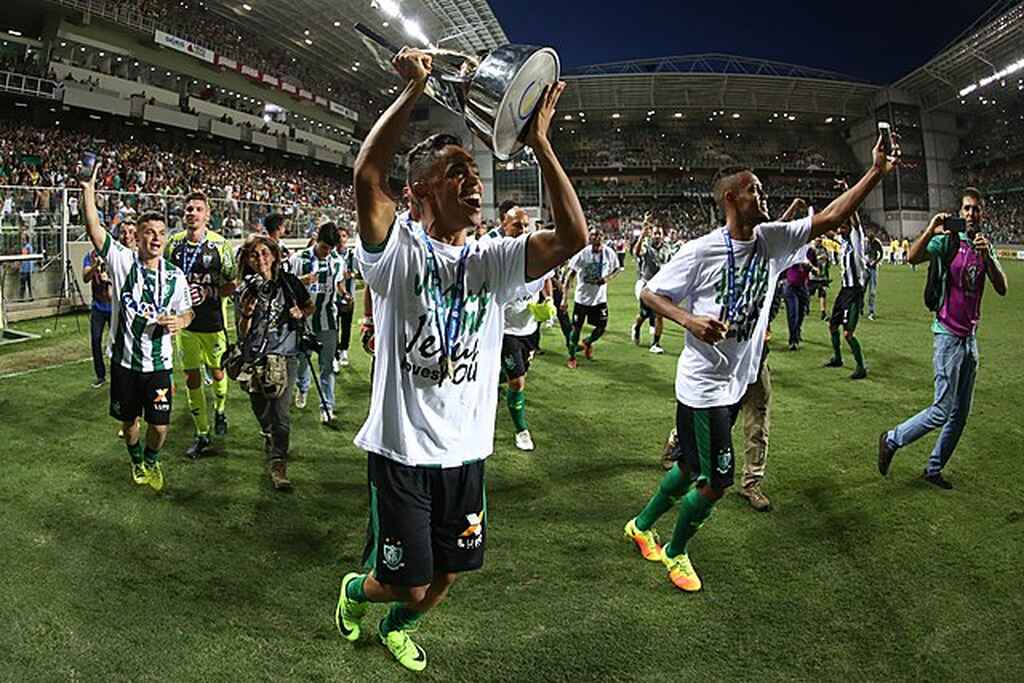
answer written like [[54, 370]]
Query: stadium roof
[[467, 25], [717, 81], [992, 43]]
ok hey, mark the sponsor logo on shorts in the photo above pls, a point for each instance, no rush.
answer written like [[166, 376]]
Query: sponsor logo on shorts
[[393, 554], [473, 537], [160, 401]]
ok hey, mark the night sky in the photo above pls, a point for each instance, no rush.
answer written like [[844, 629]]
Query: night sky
[[874, 41]]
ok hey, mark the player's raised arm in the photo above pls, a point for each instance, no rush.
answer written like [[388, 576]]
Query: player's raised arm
[[375, 210], [96, 233], [547, 249], [843, 207]]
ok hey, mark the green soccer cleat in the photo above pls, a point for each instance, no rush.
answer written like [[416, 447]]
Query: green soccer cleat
[[348, 613], [646, 541], [409, 654], [154, 476], [138, 473]]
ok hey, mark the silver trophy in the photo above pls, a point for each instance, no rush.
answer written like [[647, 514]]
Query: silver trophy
[[496, 92]]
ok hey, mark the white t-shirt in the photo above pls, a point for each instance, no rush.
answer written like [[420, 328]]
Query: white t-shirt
[[717, 375], [413, 419], [590, 268], [519, 320]]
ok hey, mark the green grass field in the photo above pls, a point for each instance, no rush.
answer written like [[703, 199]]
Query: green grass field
[[851, 577]]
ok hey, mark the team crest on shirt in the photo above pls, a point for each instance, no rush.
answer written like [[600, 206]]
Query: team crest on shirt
[[393, 554], [473, 537]]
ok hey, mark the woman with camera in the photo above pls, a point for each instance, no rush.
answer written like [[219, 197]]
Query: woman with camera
[[271, 306]]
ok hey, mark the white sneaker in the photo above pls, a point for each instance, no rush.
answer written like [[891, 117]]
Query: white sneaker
[[656, 349], [524, 441], [343, 359], [326, 416], [336, 365], [300, 399]]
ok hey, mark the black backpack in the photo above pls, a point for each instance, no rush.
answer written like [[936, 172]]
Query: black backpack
[[938, 270]]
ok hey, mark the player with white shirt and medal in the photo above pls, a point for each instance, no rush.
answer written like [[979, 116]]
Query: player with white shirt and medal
[[725, 278], [438, 311]]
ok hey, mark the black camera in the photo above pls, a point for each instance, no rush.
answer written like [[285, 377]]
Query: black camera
[[309, 343]]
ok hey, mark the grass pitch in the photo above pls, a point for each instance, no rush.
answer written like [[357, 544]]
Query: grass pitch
[[851, 576]]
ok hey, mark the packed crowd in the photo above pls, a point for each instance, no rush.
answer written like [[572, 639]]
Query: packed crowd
[[47, 157], [702, 145], [192, 21], [1004, 184]]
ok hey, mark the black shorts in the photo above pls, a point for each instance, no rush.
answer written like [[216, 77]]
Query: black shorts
[[704, 444], [847, 308], [424, 520], [596, 316], [146, 394], [515, 354]]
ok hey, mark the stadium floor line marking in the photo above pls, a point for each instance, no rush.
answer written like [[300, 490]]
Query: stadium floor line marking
[[22, 373]]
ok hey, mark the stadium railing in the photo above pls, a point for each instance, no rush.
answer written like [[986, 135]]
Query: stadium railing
[[20, 84], [45, 213]]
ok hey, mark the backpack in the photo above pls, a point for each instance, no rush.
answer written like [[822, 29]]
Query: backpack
[[938, 268]]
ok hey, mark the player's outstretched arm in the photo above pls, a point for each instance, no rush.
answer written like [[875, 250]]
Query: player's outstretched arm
[[96, 233], [840, 210], [547, 249], [375, 210]]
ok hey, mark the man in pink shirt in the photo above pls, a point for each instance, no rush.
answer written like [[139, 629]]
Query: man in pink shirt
[[954, 327]]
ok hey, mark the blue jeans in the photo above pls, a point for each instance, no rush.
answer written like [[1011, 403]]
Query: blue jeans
[[329, 338], [97, 320], [956, 365], [797, 301], [872, 287]]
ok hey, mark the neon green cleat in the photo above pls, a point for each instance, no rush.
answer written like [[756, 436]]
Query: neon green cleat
[[646, 541], [348, 612], [154, 476], [138, 473], [681, 573], [409, 654]]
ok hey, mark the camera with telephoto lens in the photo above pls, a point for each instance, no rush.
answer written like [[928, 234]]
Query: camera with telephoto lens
[[309, 343]]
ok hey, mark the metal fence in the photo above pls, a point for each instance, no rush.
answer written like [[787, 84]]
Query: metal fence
[[43, 220]]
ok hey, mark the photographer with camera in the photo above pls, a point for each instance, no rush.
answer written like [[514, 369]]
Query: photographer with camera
[[321, 271], [94, 273], [271, 306], [961, 259]]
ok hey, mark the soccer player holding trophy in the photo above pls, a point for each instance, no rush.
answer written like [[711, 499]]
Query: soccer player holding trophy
[[438, 309]]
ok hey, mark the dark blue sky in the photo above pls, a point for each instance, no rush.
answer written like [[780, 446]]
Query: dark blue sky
[[875, 41]]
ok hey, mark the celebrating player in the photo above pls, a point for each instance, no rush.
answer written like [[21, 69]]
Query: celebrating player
[[849, 304], [438, 311], [592, 268], [651, 252], [726, 277], [151, 303], [207, 261]]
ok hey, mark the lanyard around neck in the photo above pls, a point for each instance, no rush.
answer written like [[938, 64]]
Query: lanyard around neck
[[449, 330], [733, 298]]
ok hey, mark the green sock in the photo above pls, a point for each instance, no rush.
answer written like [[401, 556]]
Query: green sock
[[220, 394], [693, 511], [858, 355], [574, 339], [151, 456], [517, 407], [197, 406], [354, 590], [399, 618], [836, 351], [672, 487], [135, 452]]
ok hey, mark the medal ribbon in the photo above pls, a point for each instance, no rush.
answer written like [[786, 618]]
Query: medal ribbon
[[449, 330], [733, 300]]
